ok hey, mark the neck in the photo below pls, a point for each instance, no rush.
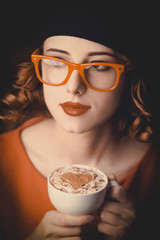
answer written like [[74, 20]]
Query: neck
[[86, 148]]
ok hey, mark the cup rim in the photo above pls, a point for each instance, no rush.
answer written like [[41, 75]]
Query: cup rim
[[79, 194]]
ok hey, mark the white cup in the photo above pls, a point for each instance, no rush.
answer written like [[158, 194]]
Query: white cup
[[77, 203]]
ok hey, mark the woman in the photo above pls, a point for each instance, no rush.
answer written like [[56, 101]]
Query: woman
[[89, 97]]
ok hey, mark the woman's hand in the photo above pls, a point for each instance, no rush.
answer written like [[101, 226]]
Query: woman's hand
[[55, 225], [117, 214]]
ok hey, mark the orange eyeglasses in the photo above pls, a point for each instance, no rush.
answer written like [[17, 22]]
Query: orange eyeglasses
[[99, 76]]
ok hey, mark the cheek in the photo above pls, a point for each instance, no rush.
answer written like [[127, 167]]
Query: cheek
[[108, 103], [106, 108], [51, 97]]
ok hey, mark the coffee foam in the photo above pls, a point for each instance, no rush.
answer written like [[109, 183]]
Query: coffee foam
[[75, 179]]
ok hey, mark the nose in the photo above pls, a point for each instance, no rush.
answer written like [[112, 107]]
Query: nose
[[75, 84]]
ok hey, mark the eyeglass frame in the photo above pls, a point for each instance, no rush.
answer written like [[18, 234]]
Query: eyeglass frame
[[120, 68]]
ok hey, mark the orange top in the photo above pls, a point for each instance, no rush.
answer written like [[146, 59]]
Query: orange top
[[23, 190]]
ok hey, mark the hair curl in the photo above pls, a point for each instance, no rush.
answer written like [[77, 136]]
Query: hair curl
[[25, 100]]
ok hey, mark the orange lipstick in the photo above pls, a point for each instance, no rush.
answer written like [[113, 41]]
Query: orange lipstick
[[74, 109]]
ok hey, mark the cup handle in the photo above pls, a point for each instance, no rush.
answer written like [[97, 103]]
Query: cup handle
[[112, 183]]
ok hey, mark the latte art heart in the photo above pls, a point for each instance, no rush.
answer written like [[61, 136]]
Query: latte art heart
[[77, 180]]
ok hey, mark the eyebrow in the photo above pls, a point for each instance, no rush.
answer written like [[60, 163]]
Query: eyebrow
[[57, 50], [89, 54], [101, 53]]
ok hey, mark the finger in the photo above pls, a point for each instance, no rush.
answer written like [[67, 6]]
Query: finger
[[127, 214], [111, 218], [71, 238], [112, 177], [56, 231], [111, 231], [66, 238], [60, 219], [119, 193]]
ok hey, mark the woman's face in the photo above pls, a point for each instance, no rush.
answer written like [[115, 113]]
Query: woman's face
[[74, 106]]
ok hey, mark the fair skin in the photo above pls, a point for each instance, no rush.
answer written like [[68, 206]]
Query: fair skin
[[87, 139]]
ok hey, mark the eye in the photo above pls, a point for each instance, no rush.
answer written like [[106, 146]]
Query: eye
[[101, 67], [53, 63]]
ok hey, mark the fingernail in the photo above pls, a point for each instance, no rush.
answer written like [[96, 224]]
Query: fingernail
[[112, 176]]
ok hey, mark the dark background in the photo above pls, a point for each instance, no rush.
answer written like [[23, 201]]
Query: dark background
[[17, 44]]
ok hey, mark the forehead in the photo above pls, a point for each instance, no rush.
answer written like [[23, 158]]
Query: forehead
[[74, 44]]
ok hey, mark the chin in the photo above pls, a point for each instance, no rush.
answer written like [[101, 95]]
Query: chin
[[80, 125], [76, 129]]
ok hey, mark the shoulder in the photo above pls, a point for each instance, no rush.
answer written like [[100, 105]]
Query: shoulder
[[12, 146], [9, 145], [148, 155], [10, 142], [149, 164], [39, 129], [6, 139]]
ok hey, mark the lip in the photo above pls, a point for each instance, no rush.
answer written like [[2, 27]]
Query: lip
[[74, 109]]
